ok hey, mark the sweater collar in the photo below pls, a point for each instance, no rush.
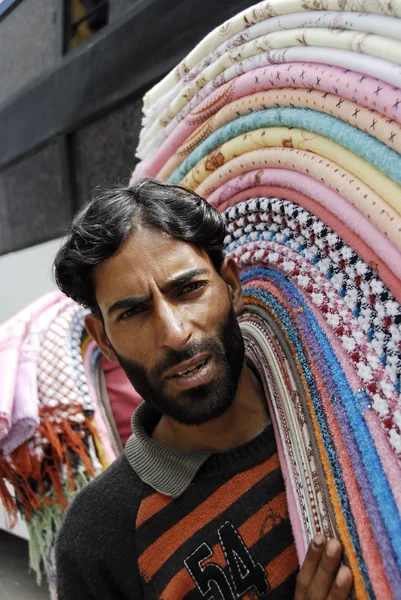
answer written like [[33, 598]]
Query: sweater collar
[[165, 469]]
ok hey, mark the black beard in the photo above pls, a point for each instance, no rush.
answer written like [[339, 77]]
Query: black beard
[[204, 402]]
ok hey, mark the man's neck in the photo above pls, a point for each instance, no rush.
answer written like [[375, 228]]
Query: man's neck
[[246, 419]]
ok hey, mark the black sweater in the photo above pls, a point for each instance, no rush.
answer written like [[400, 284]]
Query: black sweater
[[226, 536]]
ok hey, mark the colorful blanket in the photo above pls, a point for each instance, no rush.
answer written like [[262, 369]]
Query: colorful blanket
[[286, 118]]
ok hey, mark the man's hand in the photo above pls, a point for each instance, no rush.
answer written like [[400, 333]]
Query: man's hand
[[321, 577]]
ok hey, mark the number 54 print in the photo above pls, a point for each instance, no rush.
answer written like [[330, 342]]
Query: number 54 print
[[245, 574]]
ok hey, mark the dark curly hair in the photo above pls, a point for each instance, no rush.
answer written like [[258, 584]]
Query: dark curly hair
[[103, 224]]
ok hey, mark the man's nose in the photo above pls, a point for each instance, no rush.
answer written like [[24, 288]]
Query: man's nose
[[172, 329]]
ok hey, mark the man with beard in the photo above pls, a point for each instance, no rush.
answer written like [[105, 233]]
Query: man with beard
[[195, 507]]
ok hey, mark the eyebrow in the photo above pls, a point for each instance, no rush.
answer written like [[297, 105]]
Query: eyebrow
[[134, 301]]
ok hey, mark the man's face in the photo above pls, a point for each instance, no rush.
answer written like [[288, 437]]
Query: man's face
[[169, 320]]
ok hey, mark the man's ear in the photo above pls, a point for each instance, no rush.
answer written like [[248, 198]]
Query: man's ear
[[229, 271], [95, 328]]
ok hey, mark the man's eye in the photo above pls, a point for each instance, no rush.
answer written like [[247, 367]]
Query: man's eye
[[131, 312], [192, 287]]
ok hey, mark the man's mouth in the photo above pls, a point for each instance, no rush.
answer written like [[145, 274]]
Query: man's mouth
[[192, 370], [187, 367]]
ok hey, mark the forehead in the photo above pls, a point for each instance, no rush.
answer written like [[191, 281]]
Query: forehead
[[147, 257]]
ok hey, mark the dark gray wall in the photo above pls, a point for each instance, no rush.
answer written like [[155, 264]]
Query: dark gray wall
[[35, 199], [33, 203], [119, 7], [105, 150], [29, 43]]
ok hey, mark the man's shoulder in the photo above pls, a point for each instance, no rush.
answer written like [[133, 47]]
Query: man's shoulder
[[110, 499], [96, 550], [118, 474]]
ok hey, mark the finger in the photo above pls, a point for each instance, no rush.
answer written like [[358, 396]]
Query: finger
[[341, 587], [326, 571], [309, 567]]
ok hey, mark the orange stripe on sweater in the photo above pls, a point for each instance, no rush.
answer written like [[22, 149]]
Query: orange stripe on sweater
[[282, 566], [150, 506], [157, 553], [251, 531]]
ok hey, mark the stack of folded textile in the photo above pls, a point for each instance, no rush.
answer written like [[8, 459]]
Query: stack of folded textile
[[59, 421], [287, 117]]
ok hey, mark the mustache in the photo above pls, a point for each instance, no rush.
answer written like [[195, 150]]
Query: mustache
[[175, 357]]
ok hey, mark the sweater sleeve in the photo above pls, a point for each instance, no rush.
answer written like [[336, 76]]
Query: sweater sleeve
[[77, 559], [71, 582], [94, 570], [96, 553], [90, 567]]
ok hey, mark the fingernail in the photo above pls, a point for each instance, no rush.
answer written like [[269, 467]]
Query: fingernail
[[318, 541], [342, 577], [332, 548]]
